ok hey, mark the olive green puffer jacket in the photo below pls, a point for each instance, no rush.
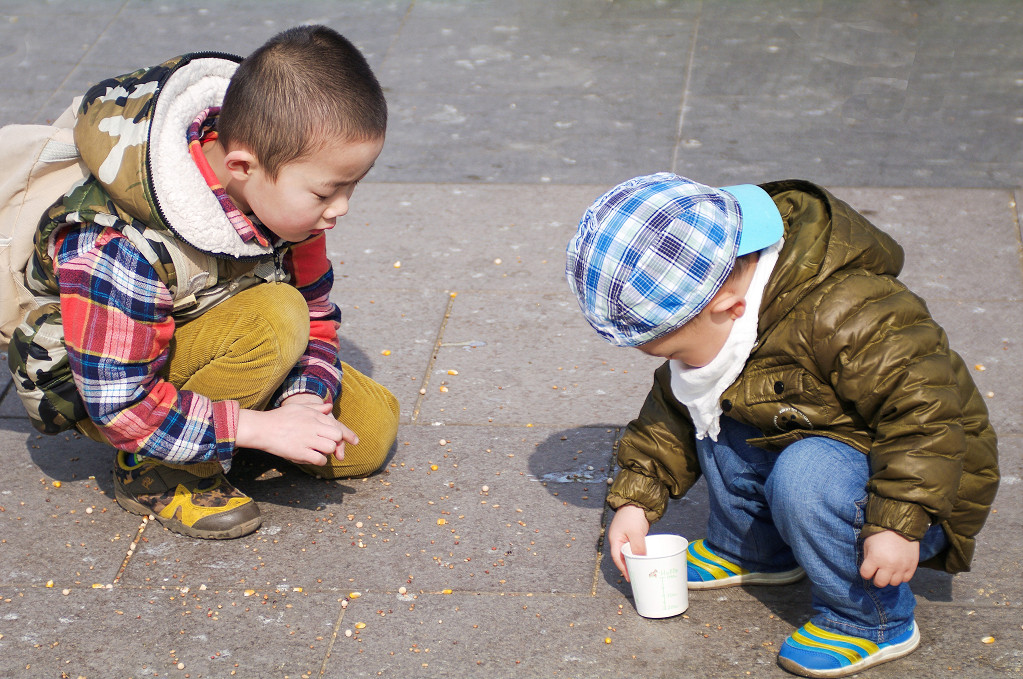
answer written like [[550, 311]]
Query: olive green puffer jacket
[[844, 350]]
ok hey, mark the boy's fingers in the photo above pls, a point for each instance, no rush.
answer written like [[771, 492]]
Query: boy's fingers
[[339, 435], [867, 570], [616, 557], [881, 577], [313, 456], [348, 435], [323, 448]]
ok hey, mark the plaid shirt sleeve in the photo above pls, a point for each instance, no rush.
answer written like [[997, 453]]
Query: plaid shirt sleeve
[[117, 327], [319, 370]]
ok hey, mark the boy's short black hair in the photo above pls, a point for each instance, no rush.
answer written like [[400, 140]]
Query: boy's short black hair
[[304, 87]]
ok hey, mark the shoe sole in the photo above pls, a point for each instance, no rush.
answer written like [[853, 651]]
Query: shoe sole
[[882, 656], [130, 504], [766, 579]]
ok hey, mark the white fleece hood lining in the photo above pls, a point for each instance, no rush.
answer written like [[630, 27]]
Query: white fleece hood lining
[[186, 201]]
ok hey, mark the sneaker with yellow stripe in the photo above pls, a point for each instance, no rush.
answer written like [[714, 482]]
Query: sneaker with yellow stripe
[[708, 570], [815, 652], [194, 500]]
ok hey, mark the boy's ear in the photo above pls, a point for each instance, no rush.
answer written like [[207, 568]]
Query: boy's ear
[[240, 162], [729, 302]]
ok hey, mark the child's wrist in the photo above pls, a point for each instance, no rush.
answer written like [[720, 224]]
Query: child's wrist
[[632, 513]]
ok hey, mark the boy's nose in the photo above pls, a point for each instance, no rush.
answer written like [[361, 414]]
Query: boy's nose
[[339, 208]]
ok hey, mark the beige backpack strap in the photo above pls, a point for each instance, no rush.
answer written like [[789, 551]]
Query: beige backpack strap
[[185, 271]]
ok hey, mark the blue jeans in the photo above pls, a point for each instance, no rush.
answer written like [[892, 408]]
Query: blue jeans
[[771, 511]]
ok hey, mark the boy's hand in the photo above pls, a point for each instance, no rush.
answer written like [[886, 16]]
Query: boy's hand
[[628, 526], [889, 559], [302, 429]]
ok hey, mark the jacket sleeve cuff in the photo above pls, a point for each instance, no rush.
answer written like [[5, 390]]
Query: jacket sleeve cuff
[[630, 488], [225, 426], [908, 519]]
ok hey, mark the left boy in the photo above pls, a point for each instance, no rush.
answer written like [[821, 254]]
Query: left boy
[[190, 282]]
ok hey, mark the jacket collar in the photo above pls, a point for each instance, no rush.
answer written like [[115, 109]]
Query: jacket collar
[[132, 134]]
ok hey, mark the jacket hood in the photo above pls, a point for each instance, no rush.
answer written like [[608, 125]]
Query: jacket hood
[[131, 132], [829, 237]]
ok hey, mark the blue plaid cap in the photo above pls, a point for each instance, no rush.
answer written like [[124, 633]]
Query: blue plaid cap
[[653, 251]]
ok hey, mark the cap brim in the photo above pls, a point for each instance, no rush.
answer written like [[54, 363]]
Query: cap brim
[[761, 222]]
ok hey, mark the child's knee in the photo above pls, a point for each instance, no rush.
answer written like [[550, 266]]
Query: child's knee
[[375, 441], [370, 410], [286, 315], [815, 473]]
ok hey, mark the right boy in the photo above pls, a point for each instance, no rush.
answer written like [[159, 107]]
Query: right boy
[[191, 314], [839, 435]]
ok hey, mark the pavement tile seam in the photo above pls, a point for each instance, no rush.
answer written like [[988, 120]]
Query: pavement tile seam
[[456, 290], [582, 423], [528, 292], [99, 588], [1017, 201], [428, 372], [737, 596]]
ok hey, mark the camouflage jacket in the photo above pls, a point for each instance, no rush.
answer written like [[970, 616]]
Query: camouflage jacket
[[146, 213]]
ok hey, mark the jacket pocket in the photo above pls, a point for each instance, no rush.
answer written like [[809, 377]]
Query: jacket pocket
[[784, 399], [775, 384]]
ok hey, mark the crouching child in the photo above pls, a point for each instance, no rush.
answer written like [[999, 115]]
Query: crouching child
[[841, 438], [186, 279]]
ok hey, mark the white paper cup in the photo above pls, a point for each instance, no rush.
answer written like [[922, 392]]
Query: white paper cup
[[660, 585]]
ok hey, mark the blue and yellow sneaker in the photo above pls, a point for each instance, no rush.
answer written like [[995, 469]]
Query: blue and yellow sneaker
[[707, 570], [815, 652]]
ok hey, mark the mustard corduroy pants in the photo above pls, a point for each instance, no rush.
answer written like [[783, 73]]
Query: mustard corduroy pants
[[243, 348]]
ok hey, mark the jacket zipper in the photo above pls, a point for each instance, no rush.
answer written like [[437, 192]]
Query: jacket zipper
[[188, 58]]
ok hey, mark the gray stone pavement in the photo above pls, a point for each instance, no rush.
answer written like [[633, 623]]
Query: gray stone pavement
[[507, 119]]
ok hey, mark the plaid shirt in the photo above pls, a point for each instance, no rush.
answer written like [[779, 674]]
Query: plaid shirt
[[118, 326]]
